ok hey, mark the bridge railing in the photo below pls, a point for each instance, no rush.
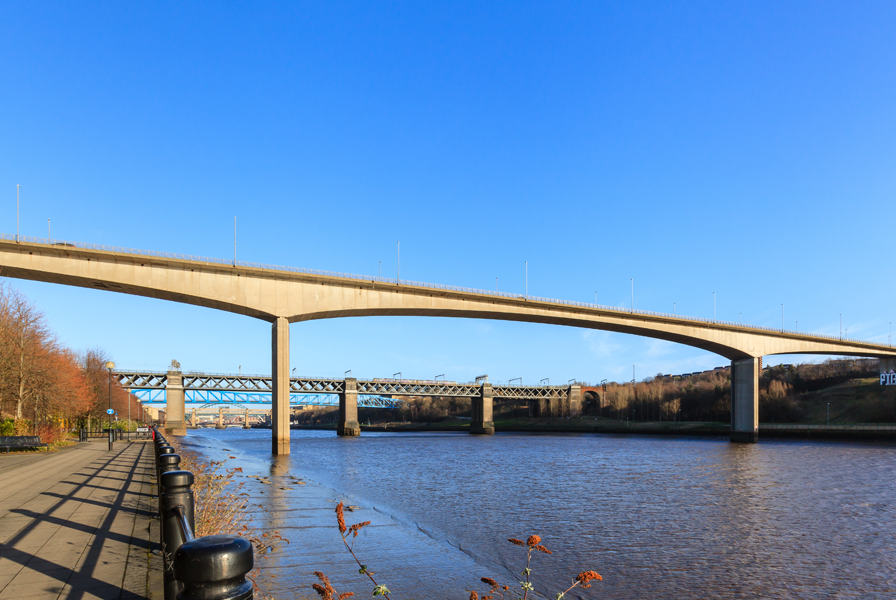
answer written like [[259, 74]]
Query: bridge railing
[[253, 265]]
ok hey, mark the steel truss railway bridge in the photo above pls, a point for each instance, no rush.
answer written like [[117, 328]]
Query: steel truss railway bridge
[[176, 388], [285, 295]]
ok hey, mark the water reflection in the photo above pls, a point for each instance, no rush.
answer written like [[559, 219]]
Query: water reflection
[[664, 518]]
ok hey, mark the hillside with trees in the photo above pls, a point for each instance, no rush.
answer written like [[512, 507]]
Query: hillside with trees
[[788, 394]]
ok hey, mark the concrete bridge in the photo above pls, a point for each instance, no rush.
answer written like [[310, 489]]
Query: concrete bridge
[[284, 295]]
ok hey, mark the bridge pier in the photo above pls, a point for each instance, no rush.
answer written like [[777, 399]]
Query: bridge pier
[[220, 424], [246, 420], [280, 386], [574, 400], [745, 400], [482, 417], [193, 419], [175, 408], [348, 409]]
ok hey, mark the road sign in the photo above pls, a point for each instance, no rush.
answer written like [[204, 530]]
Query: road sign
[[109, 411], [888, 378], [143, 430]]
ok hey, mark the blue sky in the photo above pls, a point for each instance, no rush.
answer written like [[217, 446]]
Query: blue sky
[[746, 149]]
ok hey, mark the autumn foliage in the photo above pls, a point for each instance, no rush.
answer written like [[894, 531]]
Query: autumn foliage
[[45, 386]]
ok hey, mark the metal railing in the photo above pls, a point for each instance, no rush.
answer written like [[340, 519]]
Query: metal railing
[[858, 427], [211, 567], [253, 265]]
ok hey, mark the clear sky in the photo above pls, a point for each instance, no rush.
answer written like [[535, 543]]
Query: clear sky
[[746, 149]]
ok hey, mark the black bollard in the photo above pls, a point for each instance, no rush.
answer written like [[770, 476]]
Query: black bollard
[[167, 462], [176, 491], [160, 452], [214, 568]]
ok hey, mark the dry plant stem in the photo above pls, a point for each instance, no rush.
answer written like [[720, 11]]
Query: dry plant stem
[[366, 572], [528, 561], [354, 529]]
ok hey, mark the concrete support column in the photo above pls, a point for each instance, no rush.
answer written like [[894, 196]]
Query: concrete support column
[[220, 424], [174, 403], [280, 391], [482, 415], [574, 395], [193, 419], [745, 400], [246, 420], [348, 409]]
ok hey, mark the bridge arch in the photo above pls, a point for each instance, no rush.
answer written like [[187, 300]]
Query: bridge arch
[[282, 295]]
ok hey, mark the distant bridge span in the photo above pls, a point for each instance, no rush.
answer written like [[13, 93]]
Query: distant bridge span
[[284, 295]]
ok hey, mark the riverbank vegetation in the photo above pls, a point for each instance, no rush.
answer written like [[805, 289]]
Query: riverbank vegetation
[[798, 394], [787, 394], [220, 508], [45, 386]]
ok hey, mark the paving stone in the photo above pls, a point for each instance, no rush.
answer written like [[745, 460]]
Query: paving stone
[[77, 524]]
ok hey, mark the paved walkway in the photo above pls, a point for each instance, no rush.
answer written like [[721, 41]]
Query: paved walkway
[[77, 524]]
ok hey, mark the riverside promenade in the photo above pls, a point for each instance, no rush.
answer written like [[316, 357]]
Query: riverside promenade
[[78, 524]]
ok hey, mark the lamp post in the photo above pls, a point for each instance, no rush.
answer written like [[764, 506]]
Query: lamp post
[[110, 365], [17, 212], [829, 414]]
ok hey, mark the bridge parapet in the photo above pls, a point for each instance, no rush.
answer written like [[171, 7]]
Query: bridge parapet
[[531, 392]]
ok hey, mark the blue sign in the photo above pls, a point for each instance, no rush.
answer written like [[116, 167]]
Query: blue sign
[[109, 411]]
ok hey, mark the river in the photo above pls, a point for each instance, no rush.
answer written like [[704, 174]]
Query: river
[[683, 518]]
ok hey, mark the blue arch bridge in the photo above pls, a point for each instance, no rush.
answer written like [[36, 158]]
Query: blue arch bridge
[[214, 397]]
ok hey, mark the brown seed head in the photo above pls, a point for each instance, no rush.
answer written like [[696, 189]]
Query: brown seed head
[[357, 527], [474, 596], [543, 549], [587, 576], [533, 541], [340, 517], [490, 581], [346, 595], [516, 541], [326, 590]]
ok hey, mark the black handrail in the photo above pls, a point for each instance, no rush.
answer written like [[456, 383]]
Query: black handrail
[[185, 530]]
